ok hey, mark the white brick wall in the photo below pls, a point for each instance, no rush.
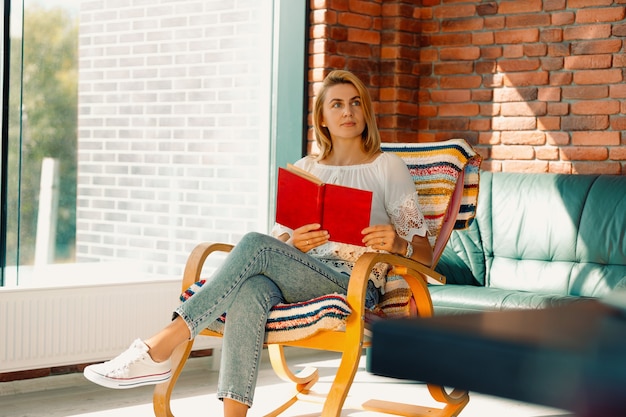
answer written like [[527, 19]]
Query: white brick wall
[[173, 139]]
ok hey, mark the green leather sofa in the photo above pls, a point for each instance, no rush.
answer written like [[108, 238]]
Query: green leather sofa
[[538, 240]]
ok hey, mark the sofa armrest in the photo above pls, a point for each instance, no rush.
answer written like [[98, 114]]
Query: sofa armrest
[[463, 260]]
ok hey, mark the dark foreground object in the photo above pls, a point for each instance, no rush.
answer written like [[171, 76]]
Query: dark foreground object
[[571, 357]]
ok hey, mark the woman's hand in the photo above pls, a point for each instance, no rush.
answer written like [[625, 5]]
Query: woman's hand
[[384, 237], [309, 236]]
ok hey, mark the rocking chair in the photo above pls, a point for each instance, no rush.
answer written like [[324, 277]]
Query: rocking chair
[[446, 178]]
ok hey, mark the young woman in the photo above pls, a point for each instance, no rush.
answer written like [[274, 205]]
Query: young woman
[[291, 265]]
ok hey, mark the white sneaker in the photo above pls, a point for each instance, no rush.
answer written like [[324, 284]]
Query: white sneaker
[[133, 368]]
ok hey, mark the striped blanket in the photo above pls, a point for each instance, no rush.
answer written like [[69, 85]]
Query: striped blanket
[[435, 168], [293, 321]]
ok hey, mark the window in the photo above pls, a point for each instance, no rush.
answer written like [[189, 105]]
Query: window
[[138, 129]]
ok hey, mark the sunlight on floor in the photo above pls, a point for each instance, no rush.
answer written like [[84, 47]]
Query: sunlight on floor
[[195, 395]]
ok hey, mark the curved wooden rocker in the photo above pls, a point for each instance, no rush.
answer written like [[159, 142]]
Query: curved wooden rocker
[[351, 340]]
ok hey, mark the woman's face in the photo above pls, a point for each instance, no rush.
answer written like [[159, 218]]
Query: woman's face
[[342, 113]]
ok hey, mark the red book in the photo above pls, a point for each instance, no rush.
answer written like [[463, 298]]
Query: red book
[[303, 199]]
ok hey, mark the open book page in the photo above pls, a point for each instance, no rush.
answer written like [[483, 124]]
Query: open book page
[[305, 174]]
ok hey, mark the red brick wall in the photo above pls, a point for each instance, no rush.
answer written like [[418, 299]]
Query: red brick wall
[[534, 85]]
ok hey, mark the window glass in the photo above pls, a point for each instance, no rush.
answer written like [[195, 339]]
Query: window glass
[[136, 130]]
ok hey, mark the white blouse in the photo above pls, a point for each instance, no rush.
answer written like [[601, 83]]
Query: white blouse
[[394, 201]]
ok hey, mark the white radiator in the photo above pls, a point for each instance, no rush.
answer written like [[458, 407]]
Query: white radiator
[[46, 327]]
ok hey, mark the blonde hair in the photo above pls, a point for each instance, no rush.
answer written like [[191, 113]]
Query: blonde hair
[[370, 135]]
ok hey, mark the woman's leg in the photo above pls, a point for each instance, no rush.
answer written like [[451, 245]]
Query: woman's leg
[[234, 408], [298, 276], [301, 276], [244, 335]]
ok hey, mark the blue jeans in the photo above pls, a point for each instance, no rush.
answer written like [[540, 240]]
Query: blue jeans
[[258, 273]]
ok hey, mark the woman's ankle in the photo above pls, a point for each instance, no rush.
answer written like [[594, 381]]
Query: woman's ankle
[[233, 408], [156, 356], [162, 344]]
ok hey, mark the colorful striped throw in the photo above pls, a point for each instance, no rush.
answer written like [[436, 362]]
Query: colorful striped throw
[[436, 167], [293, 321]]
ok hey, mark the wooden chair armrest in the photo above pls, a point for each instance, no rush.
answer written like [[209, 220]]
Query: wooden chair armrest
[[414, 273], [404, 266], [196, 259]]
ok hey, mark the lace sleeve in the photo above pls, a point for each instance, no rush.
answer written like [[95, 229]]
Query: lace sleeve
[[407, 217]]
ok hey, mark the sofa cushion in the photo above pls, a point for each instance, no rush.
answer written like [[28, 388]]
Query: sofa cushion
[[458, 299], [601, 240], [543, 233]]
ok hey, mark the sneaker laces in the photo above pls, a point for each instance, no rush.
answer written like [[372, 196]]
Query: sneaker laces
[[119, 366]]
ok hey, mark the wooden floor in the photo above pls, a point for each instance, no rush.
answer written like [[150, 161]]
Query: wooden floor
[[72, 395]]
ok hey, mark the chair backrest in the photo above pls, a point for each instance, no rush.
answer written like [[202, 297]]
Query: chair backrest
[[446, 178]]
